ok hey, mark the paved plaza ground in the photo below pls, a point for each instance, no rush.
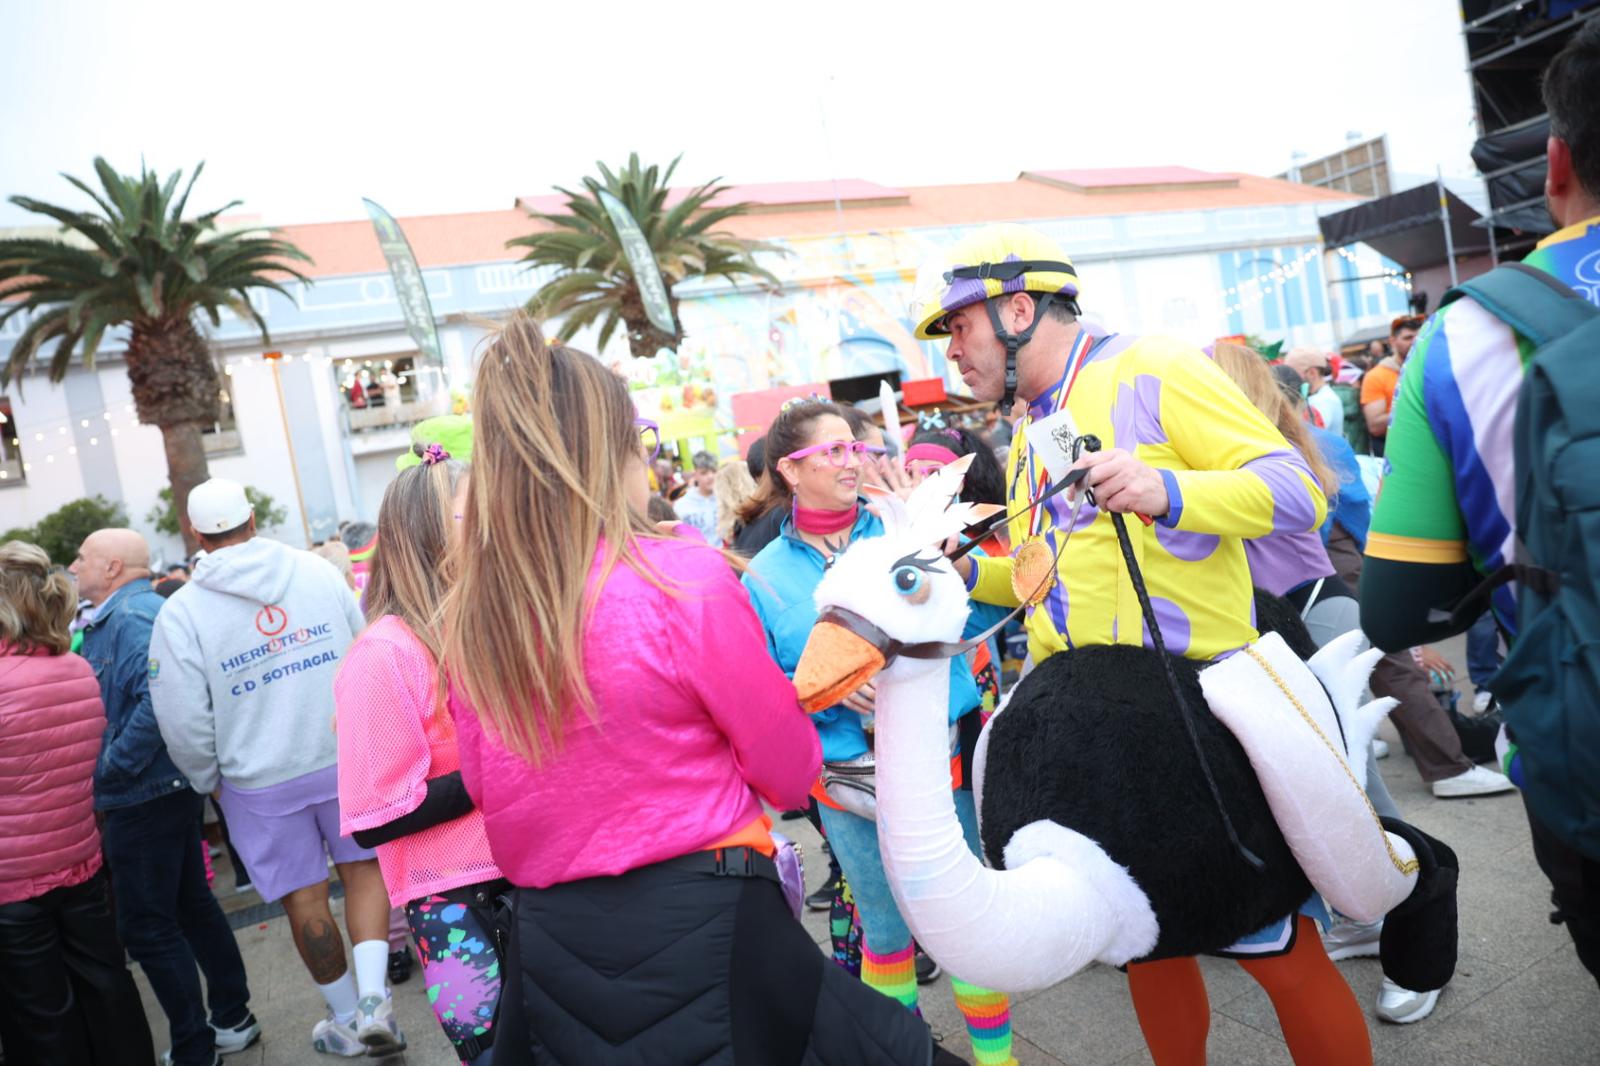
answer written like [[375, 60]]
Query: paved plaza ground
[[1519, 995]]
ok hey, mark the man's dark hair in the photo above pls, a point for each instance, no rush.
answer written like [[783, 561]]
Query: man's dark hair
[[1058, 311], [227, 538], [755, 460], [1405, 322], [175, 567], [167, 587], [659, 510], [1571, 89], [857, 419]]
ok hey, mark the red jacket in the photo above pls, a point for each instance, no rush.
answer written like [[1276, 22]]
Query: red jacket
[[51, 720]]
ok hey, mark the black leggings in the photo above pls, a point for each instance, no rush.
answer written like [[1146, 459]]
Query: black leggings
[[663, 965], [65, 992]]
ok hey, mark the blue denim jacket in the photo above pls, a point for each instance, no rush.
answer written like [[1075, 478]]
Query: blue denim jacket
[[134, 766]]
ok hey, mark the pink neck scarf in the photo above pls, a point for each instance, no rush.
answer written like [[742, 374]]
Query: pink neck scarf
[[822, 521]]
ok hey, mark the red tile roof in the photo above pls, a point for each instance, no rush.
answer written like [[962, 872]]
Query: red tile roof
[[1128, 178], [806, 209], [850, 193]]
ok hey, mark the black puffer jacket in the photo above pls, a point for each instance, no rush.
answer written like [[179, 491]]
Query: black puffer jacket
[[664, 966]]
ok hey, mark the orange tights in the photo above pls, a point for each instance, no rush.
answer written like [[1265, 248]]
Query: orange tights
[[1322, 1022]]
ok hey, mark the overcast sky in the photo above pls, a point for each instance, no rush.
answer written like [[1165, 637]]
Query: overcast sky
[[300, 109]]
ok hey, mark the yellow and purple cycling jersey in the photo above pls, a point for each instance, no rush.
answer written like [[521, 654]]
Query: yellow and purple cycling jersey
[[1229, 474], [1450, 494]]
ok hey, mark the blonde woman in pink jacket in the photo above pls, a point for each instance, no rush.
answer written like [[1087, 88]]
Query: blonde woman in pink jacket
[[65, 995], [620, 780]]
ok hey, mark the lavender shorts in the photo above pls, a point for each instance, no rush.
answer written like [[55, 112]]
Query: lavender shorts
[[286, 833]]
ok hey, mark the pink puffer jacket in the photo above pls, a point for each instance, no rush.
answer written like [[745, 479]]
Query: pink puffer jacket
[[51, 720]]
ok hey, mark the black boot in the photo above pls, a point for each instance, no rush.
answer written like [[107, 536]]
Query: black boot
[[1419, 939]]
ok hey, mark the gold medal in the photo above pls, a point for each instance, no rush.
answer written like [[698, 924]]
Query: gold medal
[[1033, 572]]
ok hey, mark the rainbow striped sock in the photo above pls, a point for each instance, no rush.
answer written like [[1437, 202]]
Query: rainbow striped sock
[[894, 974], [988, 1016]]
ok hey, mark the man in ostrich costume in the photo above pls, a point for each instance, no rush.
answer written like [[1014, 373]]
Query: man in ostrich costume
[[1168, 781]]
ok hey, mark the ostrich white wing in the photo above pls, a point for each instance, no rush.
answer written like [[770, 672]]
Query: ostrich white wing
[[1343, 668], [1274, 705]]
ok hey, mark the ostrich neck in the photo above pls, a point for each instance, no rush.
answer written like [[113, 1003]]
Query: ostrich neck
[[913, 720], [916, 812]]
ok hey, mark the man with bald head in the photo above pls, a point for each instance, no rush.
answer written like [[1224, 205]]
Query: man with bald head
[[166, 914]]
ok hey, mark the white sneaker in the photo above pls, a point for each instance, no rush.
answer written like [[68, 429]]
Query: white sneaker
[[1380, 748], [1347, 938], [239, 1037], [1482, 701], [166, 1058], [1478, 781], [376, 1027], [331, 1038], [1403, 1006]]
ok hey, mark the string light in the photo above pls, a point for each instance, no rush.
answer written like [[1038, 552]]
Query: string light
[[1252, 291], [1392, 276]]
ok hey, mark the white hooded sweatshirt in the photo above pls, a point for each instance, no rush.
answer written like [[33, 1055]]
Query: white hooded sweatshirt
[[242, 664]]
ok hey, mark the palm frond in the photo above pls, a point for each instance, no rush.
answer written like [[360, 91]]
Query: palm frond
[[146, 265]]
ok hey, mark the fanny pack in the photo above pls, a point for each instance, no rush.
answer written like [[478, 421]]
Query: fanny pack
[[853, 784]]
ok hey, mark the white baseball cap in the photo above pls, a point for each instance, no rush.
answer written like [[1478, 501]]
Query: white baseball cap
[[217, 506]]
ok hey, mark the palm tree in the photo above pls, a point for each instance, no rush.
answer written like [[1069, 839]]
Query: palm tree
[[137, 262], [595, 282]]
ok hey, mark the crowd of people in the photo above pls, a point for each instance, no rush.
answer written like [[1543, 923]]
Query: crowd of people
[[478, 712]]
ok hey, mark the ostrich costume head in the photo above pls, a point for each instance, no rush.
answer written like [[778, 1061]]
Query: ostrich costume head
[[889, 593]]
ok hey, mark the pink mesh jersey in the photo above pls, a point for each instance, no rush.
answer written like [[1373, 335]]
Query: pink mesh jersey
[[394, 735]]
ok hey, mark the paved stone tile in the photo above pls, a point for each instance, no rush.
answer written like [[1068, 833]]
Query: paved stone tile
[[1229, 1042], [1548, 1015], [1088, 1018]]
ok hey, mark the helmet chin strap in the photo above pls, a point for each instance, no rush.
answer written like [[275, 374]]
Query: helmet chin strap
[[1014, 341]]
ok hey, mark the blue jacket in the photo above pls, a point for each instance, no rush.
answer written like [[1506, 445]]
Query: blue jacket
[[782, 579], [1348, 503], [134, 766]]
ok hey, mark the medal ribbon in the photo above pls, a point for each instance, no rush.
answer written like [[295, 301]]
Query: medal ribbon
[[1038, 477]]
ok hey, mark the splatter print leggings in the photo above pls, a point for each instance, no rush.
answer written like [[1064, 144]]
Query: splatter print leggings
[[460, 968]]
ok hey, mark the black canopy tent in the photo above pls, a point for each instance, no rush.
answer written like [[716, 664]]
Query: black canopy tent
[[1408, 228]]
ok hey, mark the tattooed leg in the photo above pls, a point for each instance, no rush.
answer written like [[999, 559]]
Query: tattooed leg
[[316, 936]]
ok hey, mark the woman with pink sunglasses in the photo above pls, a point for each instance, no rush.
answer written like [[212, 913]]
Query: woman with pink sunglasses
[[815, 463]]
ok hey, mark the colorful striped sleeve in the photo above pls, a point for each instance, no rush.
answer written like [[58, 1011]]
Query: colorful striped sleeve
[[1417, 518]]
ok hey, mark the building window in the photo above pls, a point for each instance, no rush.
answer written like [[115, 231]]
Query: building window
[[13, 470], [222, 436]]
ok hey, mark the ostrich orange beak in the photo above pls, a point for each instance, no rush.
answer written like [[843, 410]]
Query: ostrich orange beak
[[834, 664]]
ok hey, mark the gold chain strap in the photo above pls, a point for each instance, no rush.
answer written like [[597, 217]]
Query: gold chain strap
[[1405, 866]]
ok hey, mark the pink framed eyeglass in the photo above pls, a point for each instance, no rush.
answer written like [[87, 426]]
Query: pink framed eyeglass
[[837, 451]]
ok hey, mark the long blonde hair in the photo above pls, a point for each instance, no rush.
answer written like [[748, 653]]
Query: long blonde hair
[[36, 602], [553, 440], [733, 487], [1249, 371], [406, 573]]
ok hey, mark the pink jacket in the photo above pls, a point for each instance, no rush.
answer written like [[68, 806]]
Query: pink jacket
[[692, 720], [394, 737], [51, 720]]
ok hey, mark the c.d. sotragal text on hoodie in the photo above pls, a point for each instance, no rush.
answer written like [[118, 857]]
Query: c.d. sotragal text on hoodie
[[242, 664]]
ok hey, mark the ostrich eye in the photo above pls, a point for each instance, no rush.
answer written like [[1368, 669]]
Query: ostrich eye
[[908, 580]]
